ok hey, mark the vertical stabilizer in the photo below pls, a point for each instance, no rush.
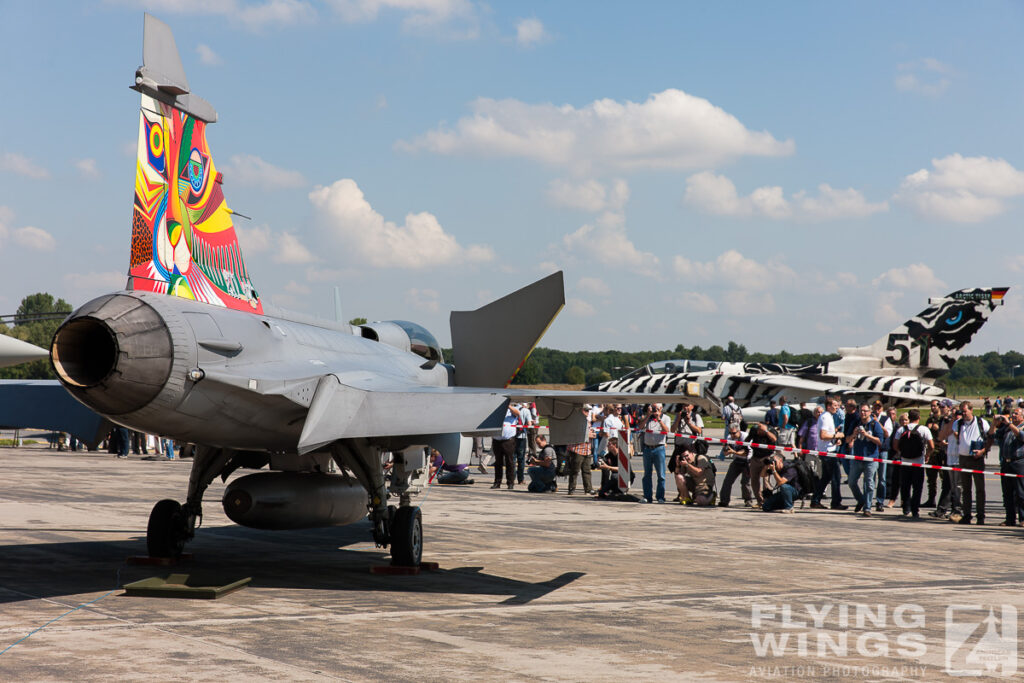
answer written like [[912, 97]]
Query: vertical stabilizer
[[930, 343], [491, 343], [183, 240]]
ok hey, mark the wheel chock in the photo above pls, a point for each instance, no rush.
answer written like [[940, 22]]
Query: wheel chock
[[397, 570], [181, 586]]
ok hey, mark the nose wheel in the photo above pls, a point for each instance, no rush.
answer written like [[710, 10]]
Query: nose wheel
[[407, 537], [168, 529]]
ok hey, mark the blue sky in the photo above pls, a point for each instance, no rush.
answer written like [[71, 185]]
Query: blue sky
[[786, 175]]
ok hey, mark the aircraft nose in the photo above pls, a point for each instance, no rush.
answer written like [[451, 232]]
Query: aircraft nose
[[114, 354]]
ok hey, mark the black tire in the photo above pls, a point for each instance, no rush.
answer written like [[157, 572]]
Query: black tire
[[407, 537], [165, 535]]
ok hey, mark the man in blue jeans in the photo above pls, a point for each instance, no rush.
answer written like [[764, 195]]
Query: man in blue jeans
[[654, 426], [827, 432], [864, 440], [788, 485]]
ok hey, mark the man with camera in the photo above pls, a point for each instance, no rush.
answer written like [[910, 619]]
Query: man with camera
[[759, 434], [864, 441], [542, 467], [1009, 434], [694, 478], [787, 484], [738, 467], [972, 445], [687, 423], [655, 427]]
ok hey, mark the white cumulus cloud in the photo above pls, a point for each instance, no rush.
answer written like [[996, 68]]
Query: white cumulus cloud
[[962, 189], [926, 76], [593, 285], [530, 32], [28, 236], [733, 270], [916, 276], [589, 195], [420, 242], [33, 238], [87, 168], [716, 194], [252, 15], [208, 56], [605, 241], [458, 19], [696, 302], [671, 129], [255, 239], [579, 308], [291, 251], [23, 166], [250, 170]]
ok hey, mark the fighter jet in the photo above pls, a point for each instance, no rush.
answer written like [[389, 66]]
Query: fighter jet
[[189, 350], [900, 368], [14, 351]]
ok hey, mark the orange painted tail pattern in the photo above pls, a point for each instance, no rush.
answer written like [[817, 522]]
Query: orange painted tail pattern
[[183, 241]]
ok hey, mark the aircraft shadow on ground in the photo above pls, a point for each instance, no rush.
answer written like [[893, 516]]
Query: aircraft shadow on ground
[[337, 559]]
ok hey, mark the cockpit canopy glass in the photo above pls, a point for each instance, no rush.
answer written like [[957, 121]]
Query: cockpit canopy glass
[[666, 367], [421, 342]]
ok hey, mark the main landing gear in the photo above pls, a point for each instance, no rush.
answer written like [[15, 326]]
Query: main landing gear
[[399, 527], [171, 524]]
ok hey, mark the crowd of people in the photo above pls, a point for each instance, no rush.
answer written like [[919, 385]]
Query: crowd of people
[[883, 476]]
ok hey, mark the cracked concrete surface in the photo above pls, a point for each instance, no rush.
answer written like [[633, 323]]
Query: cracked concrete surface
[[531, 588]]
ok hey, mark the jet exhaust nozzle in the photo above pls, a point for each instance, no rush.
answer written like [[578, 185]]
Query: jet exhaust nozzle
[[114, 354], [294, 500]]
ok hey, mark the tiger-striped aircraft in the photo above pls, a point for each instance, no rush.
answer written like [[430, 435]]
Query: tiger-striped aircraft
[[900, 368]]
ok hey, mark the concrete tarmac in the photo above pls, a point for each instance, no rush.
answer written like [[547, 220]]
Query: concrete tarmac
[[532, 587]]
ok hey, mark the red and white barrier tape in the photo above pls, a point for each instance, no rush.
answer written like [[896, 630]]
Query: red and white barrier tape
[[827, 454]]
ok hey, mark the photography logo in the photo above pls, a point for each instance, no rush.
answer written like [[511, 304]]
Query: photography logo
[[981, 640]]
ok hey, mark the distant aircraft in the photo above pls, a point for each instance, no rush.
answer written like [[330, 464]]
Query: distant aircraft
[[900, 368], [15, 351], [190, 351]]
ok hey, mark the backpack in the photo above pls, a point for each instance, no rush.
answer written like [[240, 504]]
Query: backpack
[[735, 418], [808, 473], [911, 444], [710, 474]]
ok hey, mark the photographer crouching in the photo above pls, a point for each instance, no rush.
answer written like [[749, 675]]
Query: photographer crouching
[[787, 488], [695, 476]]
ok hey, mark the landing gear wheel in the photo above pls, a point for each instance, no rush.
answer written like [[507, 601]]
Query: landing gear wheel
[[167, 530], [407, 537]]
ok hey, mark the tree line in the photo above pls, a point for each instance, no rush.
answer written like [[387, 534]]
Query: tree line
[[38, 317]]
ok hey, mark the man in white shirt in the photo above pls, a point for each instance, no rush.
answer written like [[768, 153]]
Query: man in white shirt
[[972, 447], [654, 425], [914, 442], [689, 423], [504, 447], [830, 467]]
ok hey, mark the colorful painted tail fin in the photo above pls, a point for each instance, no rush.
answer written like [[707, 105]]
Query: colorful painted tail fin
[[930, 343], [183, 241]]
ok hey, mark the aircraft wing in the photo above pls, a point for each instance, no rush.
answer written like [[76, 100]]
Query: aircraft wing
[[340, 411], [810, 387], [349, 407]]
